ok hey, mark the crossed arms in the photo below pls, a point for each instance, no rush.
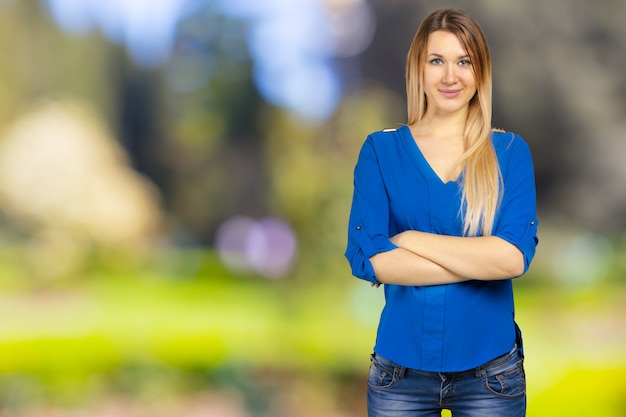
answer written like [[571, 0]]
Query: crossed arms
[[431, 259]]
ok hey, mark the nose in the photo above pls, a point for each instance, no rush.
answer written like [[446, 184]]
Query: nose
[[450, 75]]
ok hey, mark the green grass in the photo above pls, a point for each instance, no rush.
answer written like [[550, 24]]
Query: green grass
[[157, 331]]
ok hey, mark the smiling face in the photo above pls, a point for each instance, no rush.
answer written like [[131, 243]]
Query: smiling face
[[448, 79]]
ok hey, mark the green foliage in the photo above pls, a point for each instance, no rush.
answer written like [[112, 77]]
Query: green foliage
[[584, 392], [153, 324], [167, 330]]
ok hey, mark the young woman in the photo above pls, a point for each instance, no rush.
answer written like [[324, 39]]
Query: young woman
[[444, 215]]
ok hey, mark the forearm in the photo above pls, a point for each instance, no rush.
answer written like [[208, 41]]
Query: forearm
[[403, 267], [482, 258]]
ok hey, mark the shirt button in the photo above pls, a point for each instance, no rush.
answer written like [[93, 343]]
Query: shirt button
[[532, 223], [358, 228]]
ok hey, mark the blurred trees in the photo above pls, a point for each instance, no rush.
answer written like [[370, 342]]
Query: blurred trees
[[213, 143], [198, 128], [193, 142], [67, 184], [41, 61]]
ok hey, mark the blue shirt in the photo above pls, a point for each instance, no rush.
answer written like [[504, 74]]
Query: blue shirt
[[440, 328]]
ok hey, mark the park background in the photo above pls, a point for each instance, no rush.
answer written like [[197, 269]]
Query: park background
[[175, 181]]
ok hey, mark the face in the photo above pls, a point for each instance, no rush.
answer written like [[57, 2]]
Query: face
[[449, 82]]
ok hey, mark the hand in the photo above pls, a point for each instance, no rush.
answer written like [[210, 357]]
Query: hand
[[374, 284]]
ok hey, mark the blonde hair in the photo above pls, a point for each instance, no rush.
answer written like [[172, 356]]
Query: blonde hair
[[481, 180]]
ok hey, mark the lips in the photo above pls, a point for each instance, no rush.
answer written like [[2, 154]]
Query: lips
[[450, 93]]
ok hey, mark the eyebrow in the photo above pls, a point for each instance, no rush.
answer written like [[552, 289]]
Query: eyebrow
[[441, 56]]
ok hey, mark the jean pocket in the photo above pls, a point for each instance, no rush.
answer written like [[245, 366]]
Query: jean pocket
[[382, 373], [510, 382]]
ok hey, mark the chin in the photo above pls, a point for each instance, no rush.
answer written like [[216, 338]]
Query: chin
[[451, 109]]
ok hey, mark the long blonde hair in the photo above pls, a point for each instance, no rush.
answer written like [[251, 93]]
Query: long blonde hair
[[481, 180]]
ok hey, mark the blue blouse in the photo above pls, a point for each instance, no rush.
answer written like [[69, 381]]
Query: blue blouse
[[440, 328]]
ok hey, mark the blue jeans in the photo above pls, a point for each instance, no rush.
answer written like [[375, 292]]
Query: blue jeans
[[495, 389]]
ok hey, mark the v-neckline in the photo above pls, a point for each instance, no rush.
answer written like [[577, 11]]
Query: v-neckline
[[421, 161]]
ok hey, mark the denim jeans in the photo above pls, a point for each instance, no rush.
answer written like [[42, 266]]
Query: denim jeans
[[495, 389]]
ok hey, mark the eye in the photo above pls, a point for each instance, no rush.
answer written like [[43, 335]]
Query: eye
[[465, 63], [436, 61]]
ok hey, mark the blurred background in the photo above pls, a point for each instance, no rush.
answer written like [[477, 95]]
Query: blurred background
[[175, 182]]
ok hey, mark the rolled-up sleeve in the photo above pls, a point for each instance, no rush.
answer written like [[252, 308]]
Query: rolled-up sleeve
[[516, 221], [368, 227]]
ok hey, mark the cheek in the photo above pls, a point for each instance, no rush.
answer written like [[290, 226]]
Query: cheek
[[470, 83], [469, 77], [432, 75]]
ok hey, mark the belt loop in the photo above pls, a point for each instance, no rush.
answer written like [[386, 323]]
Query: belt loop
[[400, 371]]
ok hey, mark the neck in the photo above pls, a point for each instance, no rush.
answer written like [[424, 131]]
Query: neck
[[443, 124]]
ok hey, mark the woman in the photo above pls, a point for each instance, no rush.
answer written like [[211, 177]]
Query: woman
[[444, 216]]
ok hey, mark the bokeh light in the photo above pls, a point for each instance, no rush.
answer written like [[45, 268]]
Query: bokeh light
[[582, 260], [267, 247], [292, 44], [147, 31]]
